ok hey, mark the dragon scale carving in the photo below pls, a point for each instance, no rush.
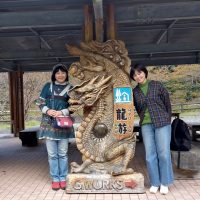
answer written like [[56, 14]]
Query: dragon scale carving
[[102, 67]]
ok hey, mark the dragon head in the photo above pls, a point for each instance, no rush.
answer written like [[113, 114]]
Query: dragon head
[[88, 92]]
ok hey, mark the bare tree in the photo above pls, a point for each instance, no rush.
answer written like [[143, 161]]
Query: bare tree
[[33, 83], [4, 91]]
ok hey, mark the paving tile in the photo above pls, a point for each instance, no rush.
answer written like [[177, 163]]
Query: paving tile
[[138, 196], [24, 175]]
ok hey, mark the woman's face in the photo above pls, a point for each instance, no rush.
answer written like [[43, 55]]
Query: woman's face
[[61, 76], [139, 77]]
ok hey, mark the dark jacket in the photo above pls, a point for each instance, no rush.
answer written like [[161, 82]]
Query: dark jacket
[[157, 101]]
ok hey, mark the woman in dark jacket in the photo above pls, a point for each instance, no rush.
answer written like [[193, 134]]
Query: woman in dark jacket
[[56, 139], [153, 106]]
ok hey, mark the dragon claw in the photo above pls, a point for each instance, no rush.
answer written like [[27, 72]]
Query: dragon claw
[[120, 171]]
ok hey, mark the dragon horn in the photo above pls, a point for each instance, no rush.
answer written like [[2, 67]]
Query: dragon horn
[[93, 80], [103, 81], [84, 46], [73, 50]]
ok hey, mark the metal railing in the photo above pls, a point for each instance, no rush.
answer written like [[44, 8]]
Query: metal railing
[[5, 117], [176, 108], [185, 107]]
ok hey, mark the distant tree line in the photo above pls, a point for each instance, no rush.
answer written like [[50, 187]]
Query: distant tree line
[[33, 83], [188, 86]]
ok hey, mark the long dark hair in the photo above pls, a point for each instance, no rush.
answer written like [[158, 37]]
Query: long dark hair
[[56, 68], [139, 68]]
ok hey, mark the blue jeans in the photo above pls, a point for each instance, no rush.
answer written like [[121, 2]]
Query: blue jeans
[[58, 159], [158, 156]]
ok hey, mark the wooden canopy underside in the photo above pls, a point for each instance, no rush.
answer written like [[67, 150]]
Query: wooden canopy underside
[[33, 33]]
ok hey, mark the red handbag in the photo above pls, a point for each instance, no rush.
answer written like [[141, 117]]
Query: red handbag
[[60, 121], [63, 122]]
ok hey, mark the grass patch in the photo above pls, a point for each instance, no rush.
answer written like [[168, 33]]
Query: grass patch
[[4, 125], [32, 123]]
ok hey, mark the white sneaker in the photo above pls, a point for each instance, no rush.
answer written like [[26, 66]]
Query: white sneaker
[[153, 189], [164, 189]]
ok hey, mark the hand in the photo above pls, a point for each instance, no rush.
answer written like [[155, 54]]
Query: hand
[[51, 113], [54, 113], [58, 113]]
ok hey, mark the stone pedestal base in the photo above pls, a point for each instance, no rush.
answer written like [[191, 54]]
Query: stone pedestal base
[[105, 183], [188, 159]]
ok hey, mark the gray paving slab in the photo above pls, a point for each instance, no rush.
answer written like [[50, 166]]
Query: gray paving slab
[[24, 175]]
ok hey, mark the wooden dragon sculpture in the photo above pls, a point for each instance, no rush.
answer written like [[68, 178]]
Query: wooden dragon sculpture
[[102, 67]]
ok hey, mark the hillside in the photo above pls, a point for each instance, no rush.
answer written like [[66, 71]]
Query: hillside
[[182, 81]]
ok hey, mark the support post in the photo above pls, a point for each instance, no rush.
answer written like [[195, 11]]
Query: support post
[[89, 35], [111, 25], [20, 99], [13, 102], [16, 101], [98, 12], [88, 24], [11, 97]]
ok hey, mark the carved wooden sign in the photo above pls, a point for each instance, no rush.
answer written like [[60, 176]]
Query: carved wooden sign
[[123, 112], [105, 137]]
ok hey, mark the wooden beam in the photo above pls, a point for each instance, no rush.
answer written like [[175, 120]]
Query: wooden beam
[[8, 66], [166, 60], [41, 38], [31, 55], [111, 25], [45, 55], [41, 4], [52, 29], [88, 25], [148, 13], [165, 32], [163, 48], [41, 18]]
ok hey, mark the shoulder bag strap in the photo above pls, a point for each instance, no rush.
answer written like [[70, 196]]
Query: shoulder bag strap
[[52, 95], [66, 89]]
